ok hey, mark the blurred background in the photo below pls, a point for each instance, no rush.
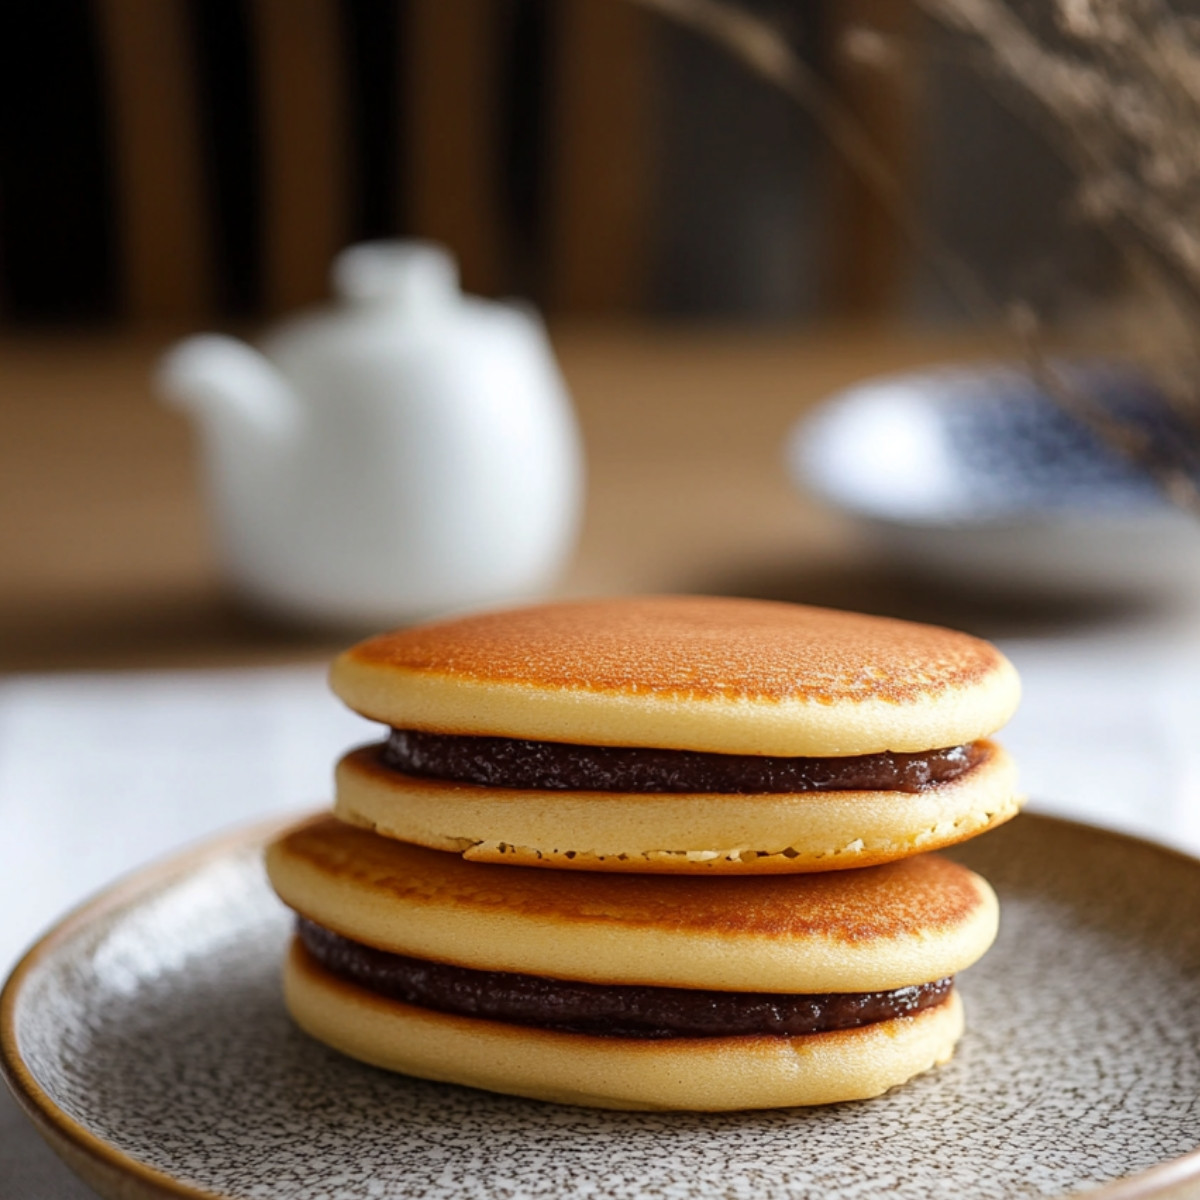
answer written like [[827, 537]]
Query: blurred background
[[205, 159], [710, 253]]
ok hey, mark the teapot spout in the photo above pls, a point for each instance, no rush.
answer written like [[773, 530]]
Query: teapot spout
[[225, 381]]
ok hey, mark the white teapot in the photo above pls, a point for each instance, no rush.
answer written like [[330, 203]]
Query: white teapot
[[406, 451]]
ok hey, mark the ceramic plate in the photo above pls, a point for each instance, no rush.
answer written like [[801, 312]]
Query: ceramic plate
[[146, 1037]]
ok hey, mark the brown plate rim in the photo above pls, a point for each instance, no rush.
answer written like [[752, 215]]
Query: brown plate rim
[[112, 1172]]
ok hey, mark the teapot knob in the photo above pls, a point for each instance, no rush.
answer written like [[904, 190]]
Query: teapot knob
[[412, 274]]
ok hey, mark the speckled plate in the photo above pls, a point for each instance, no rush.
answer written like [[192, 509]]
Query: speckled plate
[[146, 1038]]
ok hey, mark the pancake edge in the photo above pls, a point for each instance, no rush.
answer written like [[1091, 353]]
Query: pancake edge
[[595, 948], [678, 833], [680, 1074], [439, 702]]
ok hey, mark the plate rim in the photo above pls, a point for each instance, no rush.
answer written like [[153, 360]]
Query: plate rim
[[85, 1152], [98, 1162]]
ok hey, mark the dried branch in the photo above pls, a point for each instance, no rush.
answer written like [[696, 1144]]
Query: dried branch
[[1122, 103]]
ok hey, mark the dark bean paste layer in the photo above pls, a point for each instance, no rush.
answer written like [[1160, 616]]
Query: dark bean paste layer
[[555, 766], [616, 1010]]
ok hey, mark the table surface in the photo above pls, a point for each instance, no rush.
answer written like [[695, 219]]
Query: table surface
[[106, 564], [106, 558]]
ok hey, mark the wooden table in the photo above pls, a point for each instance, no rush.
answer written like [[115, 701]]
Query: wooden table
[[105, 552]]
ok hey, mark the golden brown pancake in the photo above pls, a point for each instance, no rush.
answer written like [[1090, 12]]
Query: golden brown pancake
[[879, 928], [683, 675], [686, 672], [906, 922]]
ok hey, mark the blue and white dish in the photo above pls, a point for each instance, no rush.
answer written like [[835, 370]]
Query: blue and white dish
[[979, 474]]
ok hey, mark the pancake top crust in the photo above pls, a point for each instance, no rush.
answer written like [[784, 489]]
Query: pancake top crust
[[686, 672]]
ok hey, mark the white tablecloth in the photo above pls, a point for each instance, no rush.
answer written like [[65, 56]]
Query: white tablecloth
[[101, 773]]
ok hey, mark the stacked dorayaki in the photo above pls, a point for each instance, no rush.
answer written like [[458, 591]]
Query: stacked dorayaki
[[664, 852]]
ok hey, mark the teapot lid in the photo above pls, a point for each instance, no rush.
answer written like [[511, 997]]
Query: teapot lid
[[394, 299], [410, 274]]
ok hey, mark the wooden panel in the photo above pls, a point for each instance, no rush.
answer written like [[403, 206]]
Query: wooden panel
[[164, 234], [868, 250], [451, 149], [305, 168], [602, 130]]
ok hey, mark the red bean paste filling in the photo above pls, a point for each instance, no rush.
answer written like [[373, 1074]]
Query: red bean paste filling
[[606, 1010], [555, 766]]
